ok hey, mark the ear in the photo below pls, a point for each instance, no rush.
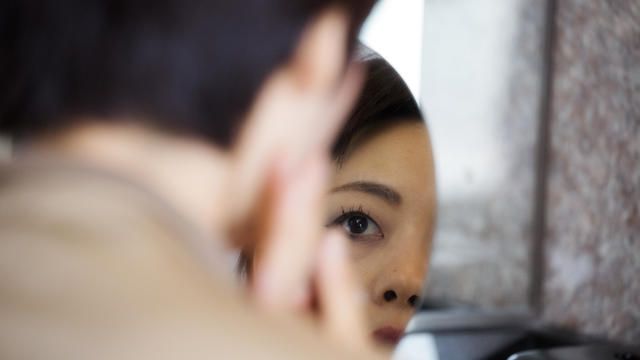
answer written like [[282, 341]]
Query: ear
[[297, 112]]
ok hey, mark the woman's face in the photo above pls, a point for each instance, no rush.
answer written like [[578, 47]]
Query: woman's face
[[383, 197]]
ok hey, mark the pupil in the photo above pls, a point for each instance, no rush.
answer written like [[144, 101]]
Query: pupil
[[358, 224]]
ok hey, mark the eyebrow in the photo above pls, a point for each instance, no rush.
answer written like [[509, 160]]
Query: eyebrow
[[382, 191]]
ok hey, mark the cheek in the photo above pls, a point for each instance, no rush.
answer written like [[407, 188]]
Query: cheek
[[366, 263]]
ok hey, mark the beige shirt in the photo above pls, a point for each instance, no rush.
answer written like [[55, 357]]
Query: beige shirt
[[94, 267]]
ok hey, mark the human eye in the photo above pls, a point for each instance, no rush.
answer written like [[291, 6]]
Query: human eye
[[358, 225]]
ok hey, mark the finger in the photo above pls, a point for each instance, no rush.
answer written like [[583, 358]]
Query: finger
[[343, 100], [284, 264], [338, 293]]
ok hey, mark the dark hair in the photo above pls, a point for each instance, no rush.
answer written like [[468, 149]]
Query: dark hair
[[385, 101], [187, 66]]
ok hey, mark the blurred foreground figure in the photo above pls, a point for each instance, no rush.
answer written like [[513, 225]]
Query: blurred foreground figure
[[150, 138]]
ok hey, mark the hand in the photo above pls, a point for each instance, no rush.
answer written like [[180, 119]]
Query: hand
[[296, 266]]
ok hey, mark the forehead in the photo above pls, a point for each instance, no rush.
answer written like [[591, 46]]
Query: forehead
[[399, 157]]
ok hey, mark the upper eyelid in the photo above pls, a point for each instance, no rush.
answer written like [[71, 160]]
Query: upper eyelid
[[360, 210]]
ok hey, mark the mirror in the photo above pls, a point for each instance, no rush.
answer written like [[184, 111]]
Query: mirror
[[481, 92], [382, 196], [479, 253], [476, 69]]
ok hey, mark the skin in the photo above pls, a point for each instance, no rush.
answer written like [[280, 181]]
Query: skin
[[394, 254]]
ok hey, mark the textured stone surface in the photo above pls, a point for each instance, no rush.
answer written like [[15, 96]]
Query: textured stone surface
[[482, 244], [592, 240]]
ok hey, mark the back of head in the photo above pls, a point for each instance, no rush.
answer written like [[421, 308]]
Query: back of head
[[191, 67]]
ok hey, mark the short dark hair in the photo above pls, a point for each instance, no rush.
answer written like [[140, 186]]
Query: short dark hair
[[187, 66], [385, 101]]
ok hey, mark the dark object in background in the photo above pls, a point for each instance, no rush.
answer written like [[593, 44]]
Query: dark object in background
[[462, 332], [580, 353]]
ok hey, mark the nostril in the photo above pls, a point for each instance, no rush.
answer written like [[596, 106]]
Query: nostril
[[390, 295], [413, 300]]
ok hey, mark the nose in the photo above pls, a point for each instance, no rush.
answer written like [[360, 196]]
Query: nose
[[398, 290], [400, 273]]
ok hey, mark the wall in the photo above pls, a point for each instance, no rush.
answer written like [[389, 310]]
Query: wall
[[483, 84], [592, 243]]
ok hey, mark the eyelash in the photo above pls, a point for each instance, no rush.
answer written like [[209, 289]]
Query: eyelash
[[353, 211], [344, 213]]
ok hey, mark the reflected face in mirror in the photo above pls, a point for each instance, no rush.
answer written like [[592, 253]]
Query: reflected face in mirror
[[382, 196]]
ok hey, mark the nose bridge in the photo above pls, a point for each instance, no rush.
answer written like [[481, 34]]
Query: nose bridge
[[400, 280], [412, 261]]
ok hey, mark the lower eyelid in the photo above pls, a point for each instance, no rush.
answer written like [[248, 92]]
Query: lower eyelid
[[363, 239]]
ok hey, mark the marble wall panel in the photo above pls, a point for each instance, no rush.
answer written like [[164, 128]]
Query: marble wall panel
[[592, 258]]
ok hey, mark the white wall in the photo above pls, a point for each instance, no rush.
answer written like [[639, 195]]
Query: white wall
[[394, 29]]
